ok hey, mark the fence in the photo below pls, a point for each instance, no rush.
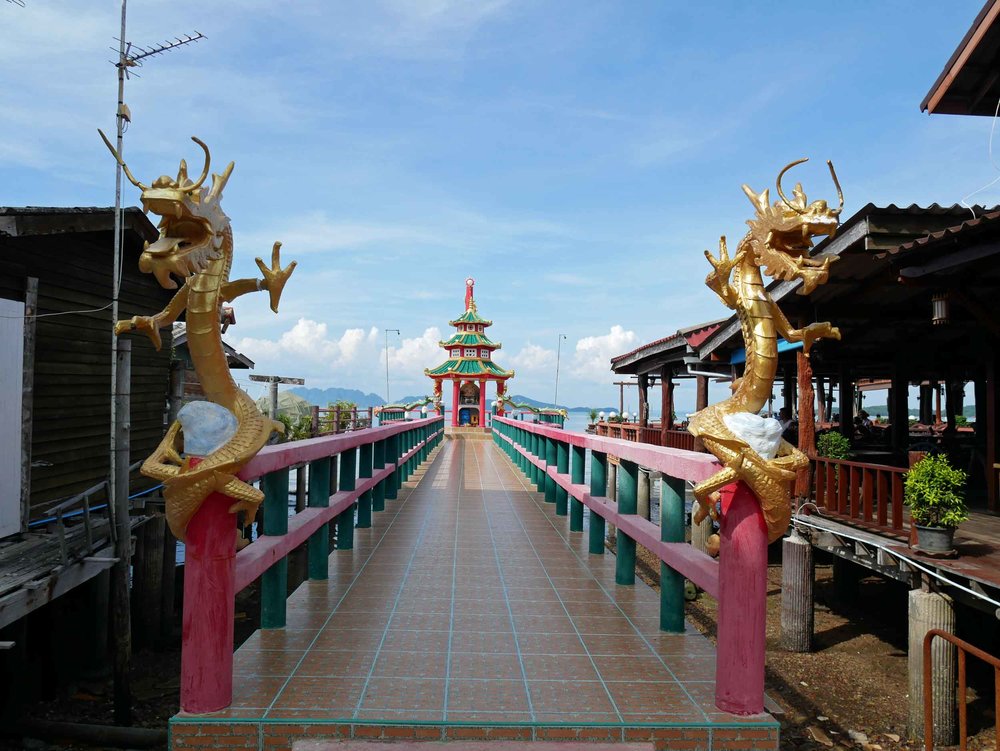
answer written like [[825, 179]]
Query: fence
[[964, 648], [373, 464], [651, 434], [334, 420], [869, 494], [554, 460]]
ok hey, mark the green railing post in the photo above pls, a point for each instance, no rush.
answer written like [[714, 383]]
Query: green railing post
[[576, 506], [391, 454], [365, 500], [550, 461], [345, 521], [378, 462], [628, 496], [319, 497], [274, 582], [671, 530], [598, 489], [537, 451], [562, 467]]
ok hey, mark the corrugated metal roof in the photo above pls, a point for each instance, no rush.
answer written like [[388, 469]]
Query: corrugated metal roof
[[949, 235], [968, 84]]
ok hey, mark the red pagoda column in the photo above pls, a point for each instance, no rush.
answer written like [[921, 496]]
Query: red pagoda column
[[454, 404], [482, 404]]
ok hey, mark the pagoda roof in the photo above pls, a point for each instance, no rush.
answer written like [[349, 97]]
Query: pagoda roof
[[470, 339], [469, 367], [470, 316]]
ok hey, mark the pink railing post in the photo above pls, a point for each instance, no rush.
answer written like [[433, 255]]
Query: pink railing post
[[209, 604], [739, 665]]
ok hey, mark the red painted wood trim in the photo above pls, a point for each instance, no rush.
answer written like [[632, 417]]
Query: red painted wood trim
[[282, 455], [739, 661], [693, 564], [209, 605], [687, 465]]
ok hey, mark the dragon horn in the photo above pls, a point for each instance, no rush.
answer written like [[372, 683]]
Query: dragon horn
[[204, 172], [840, 193], [118, 158], [781, 193]]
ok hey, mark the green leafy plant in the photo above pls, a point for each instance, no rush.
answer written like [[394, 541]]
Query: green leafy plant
[[295, 430], [961, 421], [592, 415], [935, 492], [833, 445]]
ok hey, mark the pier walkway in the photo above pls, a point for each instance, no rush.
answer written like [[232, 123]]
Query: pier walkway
[[468, 611]]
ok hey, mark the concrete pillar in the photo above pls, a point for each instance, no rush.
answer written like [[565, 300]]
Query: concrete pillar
[[612, 494], [928, 610], [454, 403], [642, 508], [700, 532], [796, 594]]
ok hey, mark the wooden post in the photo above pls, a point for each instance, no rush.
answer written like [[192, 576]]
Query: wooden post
[[336, 419], [845, 402], [990, 403], [671, 530], [807, 422], [788, 389], [314, 421], [666, 402], [598, 488], [579, 457], [821, 399], [701, 401], [319, 497], [796, 592], [274, 581], [147, 576], [168, 570], [899, 413], [121, 621], [178, 373], [300, 489], [27, 395], [643, 420], [628, 485], [209, 605], [739, 664], [926, 405]]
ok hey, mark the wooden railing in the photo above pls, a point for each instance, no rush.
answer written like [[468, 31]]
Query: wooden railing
[[373, 464], [964, 648], [868, 494], [651, 434], [554, 460], [334, 420]]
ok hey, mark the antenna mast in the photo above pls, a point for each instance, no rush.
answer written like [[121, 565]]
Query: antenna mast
[[118, 470]]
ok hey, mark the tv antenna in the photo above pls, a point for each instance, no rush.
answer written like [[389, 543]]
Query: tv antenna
[[129, 56]]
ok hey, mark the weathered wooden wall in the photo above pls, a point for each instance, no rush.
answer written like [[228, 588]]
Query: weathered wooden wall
[[70, 251]]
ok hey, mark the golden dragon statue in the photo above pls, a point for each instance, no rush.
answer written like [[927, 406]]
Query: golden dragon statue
[[428, 400], [505, 402], [196, 246], [779, 242]]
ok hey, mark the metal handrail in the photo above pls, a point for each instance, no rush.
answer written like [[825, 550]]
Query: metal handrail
[[963, 720]]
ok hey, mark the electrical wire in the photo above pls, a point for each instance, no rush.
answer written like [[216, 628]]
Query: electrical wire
[[60, 313], [989, 154]]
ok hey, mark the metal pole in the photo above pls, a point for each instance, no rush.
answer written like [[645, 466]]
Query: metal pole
[[387, 362], [555, 398], [274, 399]]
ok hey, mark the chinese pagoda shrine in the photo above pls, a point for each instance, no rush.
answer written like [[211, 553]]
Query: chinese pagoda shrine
[[469, 366]]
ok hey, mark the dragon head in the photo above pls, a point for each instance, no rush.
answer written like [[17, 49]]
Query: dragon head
[[785, 232], [191, 220]]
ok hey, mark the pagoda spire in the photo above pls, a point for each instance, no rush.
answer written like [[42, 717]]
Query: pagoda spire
[[470, 302]]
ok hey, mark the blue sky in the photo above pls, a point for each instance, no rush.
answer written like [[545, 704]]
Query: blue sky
[[576, 158]]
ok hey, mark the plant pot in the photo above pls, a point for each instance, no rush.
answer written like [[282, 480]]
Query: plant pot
[[935, 539]]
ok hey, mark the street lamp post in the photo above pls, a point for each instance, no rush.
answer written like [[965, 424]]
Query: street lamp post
[[387, 362], [555, 398]]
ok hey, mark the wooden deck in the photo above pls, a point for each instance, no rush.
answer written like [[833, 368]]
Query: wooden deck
[[468, 611]]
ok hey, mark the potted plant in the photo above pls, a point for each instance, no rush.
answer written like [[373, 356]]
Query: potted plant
[[935, 492], [833, 445]]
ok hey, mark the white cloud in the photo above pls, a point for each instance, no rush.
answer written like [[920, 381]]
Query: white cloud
[[413, 355], [592, 358], [309, 345], [533, 358]]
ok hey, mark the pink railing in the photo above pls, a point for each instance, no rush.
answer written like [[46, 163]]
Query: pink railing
[[738, 579], [373, 464], [867, 494]]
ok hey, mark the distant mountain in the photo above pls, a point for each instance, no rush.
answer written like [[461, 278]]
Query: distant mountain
[[322, 397], [881, 410], [535, 403]]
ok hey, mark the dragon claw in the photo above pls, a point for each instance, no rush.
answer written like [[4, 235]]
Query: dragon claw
[[275, 276]]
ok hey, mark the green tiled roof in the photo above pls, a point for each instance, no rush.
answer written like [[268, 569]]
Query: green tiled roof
[[470, 316], [470, 367], [469, 339]]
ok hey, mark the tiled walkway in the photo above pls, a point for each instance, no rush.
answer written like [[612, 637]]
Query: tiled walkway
[[469, 610]]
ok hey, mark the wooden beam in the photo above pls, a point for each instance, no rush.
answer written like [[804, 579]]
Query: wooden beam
[[27, 395]]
